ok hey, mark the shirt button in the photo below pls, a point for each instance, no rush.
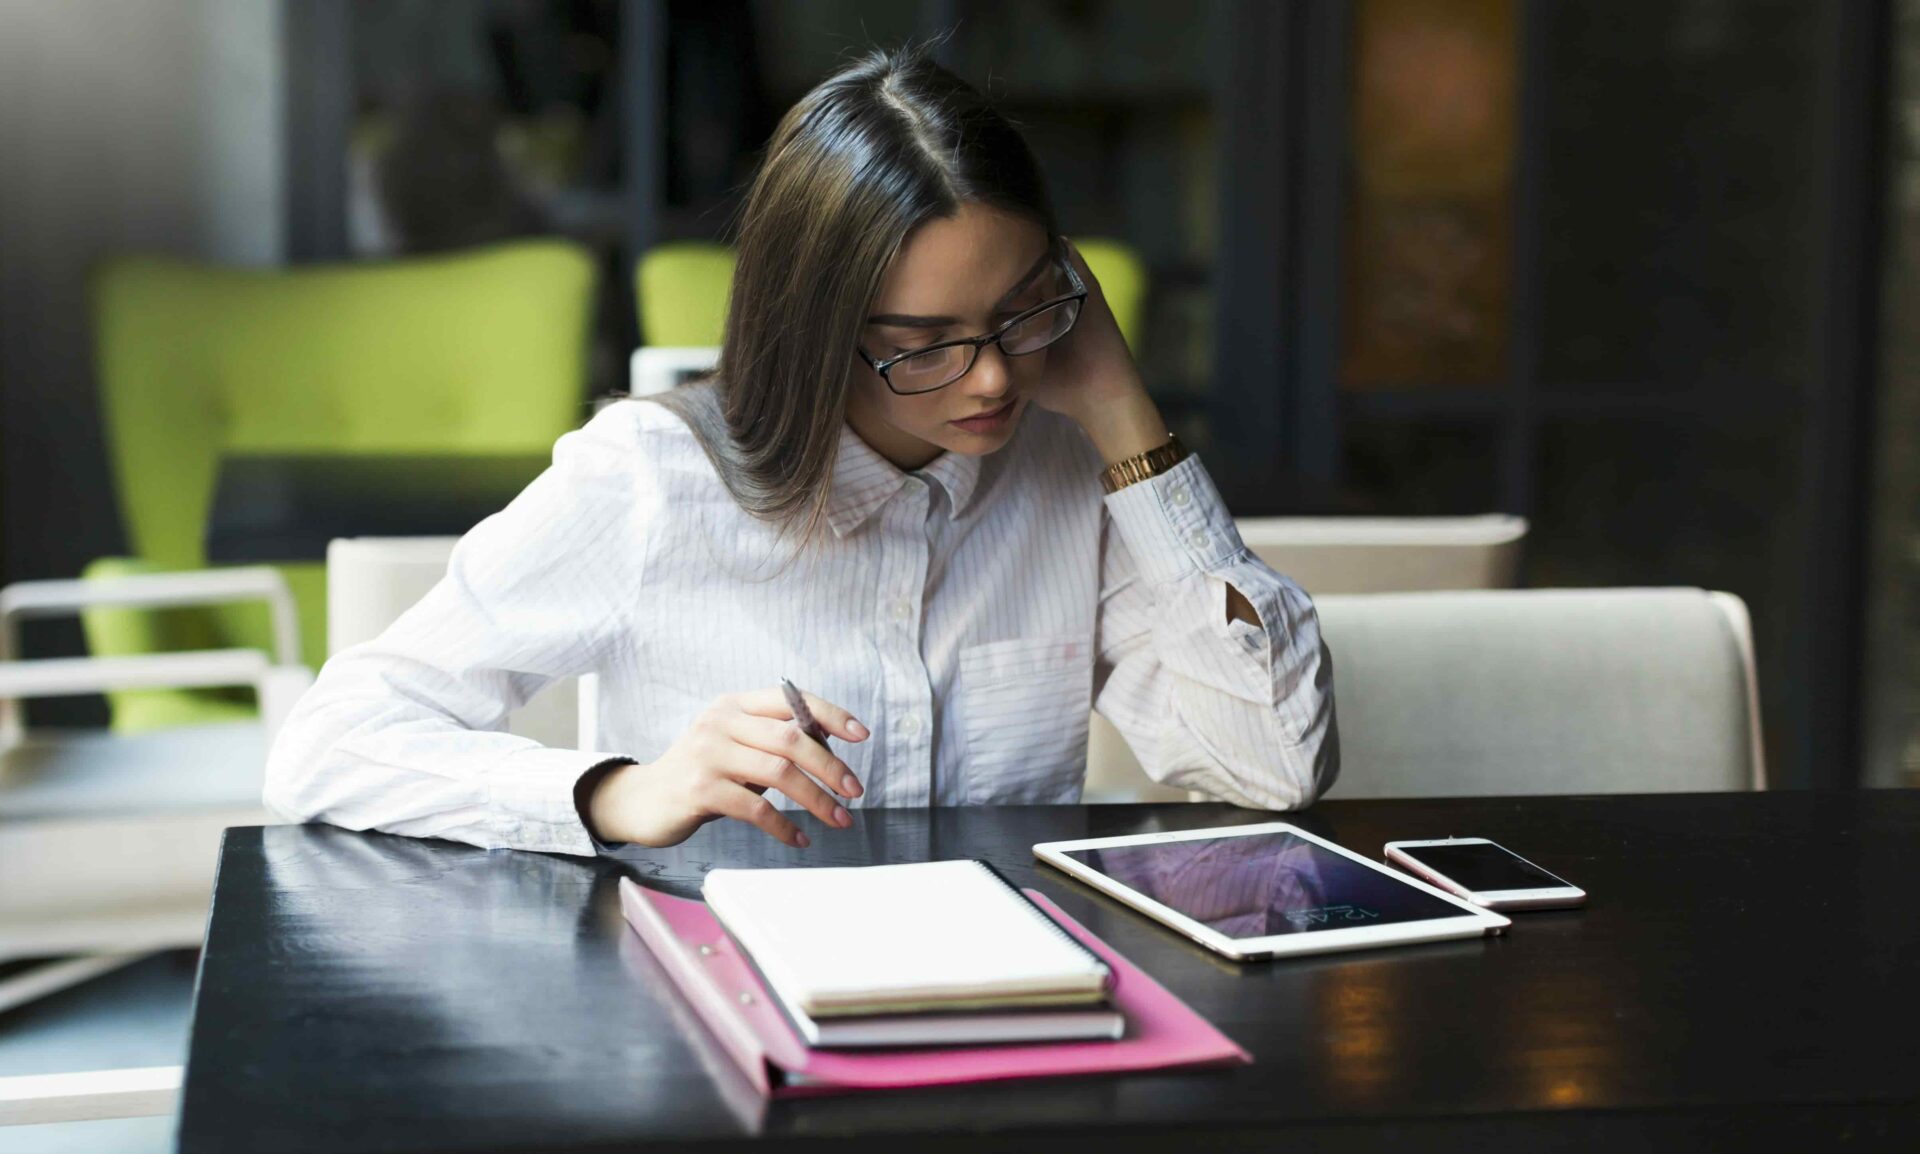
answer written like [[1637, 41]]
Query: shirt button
[[902, 610], [1198, 539], [1252, 640], [910, 725], [1181, 496]]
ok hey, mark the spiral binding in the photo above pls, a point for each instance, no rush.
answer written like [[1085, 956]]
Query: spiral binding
[[1058, 929]]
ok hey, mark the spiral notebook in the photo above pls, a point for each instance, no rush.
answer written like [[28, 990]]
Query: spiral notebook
[[897, 939]]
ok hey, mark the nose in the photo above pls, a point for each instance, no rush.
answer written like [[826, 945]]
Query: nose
[[990, 376]]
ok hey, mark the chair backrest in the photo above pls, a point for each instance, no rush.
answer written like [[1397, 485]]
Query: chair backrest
[[1390, 554], [371, 581], [1543, 692], [1123, 281], [681, 288], [662, 368], [481, 352], [1337, 555]]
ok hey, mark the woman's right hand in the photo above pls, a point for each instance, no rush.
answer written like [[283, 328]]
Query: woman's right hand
[[742, 746]]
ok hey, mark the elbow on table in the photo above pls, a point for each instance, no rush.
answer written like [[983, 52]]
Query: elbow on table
[[284, 792], [1319, 746], [1325, 762], [1312, 763], [294, 765]]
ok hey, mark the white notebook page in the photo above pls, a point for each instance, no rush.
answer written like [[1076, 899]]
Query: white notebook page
[[926, 930]]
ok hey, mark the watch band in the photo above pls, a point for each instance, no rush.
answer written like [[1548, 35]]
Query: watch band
[[1139, 467]]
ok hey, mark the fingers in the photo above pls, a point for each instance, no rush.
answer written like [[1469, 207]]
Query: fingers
[[731, 799], [772, 769], [784, 740], [753, 744], [832, 718]]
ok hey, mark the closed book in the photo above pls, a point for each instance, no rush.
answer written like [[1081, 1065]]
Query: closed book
[[962, 1028], [918, 938]]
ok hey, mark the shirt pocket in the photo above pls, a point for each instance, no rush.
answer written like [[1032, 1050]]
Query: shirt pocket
[[1023, 712]]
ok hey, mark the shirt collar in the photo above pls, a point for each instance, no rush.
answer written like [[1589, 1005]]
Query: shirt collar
[[959, 475], [863, 481]]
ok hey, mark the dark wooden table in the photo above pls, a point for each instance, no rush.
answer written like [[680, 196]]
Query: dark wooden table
[[286, 508], [1746, 976]]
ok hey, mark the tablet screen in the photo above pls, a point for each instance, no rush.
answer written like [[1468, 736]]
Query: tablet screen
[[1257, 885]]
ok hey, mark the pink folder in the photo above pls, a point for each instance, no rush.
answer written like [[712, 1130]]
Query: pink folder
[[727, 994]]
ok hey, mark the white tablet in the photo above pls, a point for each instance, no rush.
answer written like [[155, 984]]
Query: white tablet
[[1268, 891]]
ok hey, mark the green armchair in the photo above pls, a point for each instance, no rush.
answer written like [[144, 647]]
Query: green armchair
[[479, 352]]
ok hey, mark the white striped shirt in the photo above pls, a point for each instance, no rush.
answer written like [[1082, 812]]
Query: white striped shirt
[[969, 613]]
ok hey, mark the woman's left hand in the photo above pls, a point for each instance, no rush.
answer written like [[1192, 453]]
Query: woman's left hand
[[1091, 377]]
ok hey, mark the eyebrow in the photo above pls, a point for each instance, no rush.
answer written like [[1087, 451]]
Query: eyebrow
[[908, 321]]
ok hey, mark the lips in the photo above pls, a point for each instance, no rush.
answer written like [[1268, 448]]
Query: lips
[[989, 415]]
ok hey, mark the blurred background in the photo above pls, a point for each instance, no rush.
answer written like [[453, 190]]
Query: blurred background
[[1640, 271]]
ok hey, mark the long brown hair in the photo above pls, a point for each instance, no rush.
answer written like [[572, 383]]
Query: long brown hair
[[886, 144]]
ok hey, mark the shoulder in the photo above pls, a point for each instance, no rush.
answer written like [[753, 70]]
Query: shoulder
[[634, 444], [625, 432]]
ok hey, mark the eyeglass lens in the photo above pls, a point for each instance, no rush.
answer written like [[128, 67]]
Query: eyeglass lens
[[936, 367]]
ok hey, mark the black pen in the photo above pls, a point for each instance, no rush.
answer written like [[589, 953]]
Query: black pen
[[802, 716]]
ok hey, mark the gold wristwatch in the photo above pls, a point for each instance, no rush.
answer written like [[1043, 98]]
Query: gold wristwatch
[[1151, 463]]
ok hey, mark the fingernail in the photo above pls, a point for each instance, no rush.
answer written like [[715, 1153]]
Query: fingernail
[[802, 840], [841, 817], [859, 731], [850, 785]]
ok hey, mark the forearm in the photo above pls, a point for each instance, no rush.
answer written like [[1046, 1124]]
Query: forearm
[[357, 754], [1126, 426], [1219, 676], [1133, 425]]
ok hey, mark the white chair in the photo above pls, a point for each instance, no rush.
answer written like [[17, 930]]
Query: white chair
[[1390, 554], [1492, 693], [108, 841], [661, 368], [1543, 691], [149, 877], [1335, 555], [89, 1096]]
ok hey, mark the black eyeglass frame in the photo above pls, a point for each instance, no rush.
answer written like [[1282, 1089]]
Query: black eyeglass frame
[[1078, 296]]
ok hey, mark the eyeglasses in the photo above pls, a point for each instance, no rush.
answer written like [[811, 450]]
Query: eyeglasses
[[937, 366]]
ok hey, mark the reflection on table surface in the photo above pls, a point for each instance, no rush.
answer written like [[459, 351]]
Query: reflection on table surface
[[495, 998]]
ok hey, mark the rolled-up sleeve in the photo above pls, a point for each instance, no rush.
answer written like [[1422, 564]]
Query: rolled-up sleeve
[[406, 733], [1242, 712]]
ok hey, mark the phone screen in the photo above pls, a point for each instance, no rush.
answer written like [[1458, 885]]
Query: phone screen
[[1483, 866]]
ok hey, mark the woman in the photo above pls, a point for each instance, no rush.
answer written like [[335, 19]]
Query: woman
[[891, 492]]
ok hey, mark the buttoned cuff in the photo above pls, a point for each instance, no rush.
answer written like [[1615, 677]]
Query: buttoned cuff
[[1175, 524], [532, 792]]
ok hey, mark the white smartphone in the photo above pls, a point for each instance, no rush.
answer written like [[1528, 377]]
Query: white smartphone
[[1484, 873]]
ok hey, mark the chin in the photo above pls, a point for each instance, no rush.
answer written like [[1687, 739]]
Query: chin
[[987, 444]]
